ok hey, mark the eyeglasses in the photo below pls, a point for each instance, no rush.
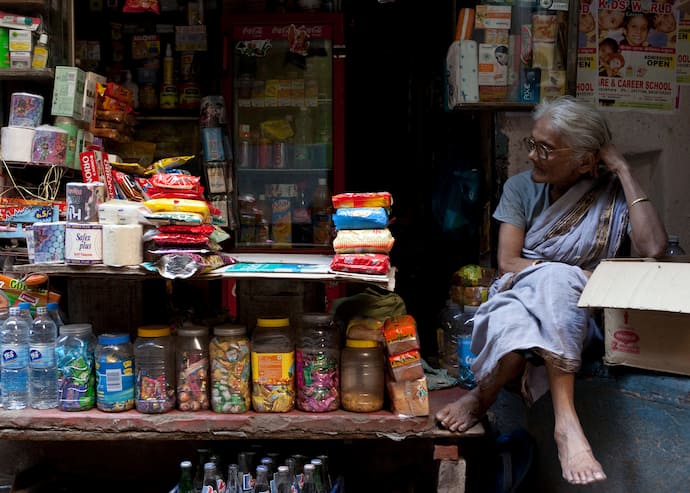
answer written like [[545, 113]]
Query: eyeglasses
[[543, 150]]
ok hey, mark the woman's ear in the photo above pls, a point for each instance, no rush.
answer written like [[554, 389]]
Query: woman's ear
[[589, 164]]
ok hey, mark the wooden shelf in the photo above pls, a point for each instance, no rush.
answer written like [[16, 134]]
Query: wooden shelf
[[32, 424], [37, 74]]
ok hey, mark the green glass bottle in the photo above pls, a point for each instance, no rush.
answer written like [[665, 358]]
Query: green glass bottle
[[186, 483]]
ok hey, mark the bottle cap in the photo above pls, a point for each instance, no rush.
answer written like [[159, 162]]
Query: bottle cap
[[105, 339], [75, 329], [272, 322], [153, 331], [361, 343], [229, 330]]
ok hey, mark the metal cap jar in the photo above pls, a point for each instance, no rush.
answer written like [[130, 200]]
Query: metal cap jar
[[273, 365], [317, 363], [192, 364], [114, 373], [362, 376], [74, 349], [230, 368], [154, 370]]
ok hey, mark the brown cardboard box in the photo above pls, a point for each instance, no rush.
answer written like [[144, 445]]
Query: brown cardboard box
[[646, 313]]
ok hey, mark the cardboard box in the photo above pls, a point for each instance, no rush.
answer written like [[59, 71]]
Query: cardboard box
[[492, 17], [646, 313], [68, 92], [88, 106]]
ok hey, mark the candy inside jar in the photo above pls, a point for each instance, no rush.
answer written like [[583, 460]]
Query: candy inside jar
[[192, 364]]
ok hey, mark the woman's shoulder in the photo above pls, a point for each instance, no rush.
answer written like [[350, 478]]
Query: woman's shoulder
[[522, 180]]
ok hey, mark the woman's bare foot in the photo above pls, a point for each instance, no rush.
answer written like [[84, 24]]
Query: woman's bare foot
[[577, 462], [464, 413]]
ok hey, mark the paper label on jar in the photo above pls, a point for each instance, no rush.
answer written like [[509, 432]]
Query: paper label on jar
[[273, 368]]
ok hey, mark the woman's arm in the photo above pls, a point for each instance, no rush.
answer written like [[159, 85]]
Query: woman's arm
[[510, 242], [648, 233]]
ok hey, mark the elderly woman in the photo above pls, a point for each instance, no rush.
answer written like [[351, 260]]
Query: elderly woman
[[557, 221]]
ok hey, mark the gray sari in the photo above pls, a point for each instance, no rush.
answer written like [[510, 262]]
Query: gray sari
[[535, 310]]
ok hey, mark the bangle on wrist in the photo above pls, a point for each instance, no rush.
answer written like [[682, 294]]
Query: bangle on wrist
[[637, 201], [537, 262]]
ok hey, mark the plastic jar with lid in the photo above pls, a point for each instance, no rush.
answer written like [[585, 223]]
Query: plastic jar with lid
[[154, 370], [191, 359], [273, 366], [362, 370], [74, 349], [114, 360], [230, 367], [317, 363]]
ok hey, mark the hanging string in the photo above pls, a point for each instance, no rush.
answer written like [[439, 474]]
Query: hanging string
[[47, 190]]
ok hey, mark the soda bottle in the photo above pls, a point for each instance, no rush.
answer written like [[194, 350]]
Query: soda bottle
[[303, 138], [321, 213], [199, 476], [42, 361], [14, 344], [232, 485], [186, 484], [301, 219], [262, 485], [210, 484], [309, 485], [283, 480]]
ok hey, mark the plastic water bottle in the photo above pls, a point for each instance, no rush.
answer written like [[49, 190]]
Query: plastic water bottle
[[465, 355], [43, 363], [54, 312], [25, 308], [452, 325], [14, 344]]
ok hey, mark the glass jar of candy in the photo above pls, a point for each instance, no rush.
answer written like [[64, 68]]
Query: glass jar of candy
[[317, 363], [192, 363], [154, 370], [114, 373], [74, 349], [230, 368], [273, 366]]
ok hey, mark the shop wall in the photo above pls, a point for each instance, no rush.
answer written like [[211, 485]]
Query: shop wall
[[656, 145]]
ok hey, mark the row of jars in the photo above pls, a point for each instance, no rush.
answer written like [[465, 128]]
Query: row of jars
[[272, 372]]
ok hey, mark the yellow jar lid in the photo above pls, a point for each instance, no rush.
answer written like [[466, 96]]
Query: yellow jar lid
[[272, 322], [361, 343], [153, 331]]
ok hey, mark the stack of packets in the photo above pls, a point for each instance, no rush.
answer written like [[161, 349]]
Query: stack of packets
[[113, 119], [470, 285], [406, 382], [507, 53], [362, 241], [184, 241]]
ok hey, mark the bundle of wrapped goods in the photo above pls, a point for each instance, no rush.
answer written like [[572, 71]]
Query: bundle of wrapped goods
[[407, 385], [362, 241], [184, 241], [114, 119], [25, 114]]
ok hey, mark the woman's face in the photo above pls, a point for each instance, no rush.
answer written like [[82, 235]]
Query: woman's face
[[636, 30], [502, 58], [559, 169]]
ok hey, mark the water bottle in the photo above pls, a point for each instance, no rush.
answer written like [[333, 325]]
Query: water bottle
[[674, 249], [25, 308], [14, 344], [464, 354], [451, 320], [54, 312], [42, 361]]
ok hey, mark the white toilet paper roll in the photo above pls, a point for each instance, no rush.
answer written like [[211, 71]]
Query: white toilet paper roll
[[17, 143], [122, 244]]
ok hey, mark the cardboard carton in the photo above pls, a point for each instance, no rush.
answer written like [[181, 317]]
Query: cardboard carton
[[646, 313]]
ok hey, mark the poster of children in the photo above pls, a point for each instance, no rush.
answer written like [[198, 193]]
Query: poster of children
[[587, 78], [635, 54], [683, 49]]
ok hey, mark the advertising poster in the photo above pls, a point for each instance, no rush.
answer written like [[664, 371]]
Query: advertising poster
[[683, 50], [587, 74], [636, 54]]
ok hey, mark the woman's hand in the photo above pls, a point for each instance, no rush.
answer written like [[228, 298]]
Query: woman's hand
[[613, 159]]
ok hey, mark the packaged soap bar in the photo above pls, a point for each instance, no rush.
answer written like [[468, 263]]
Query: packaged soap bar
[[400, 334]]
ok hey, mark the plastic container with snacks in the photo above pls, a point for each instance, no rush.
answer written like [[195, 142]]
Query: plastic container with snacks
[[317, 361], [154, 369], [114, 373], [362, 376], [230, 368], [192, 362], [74, 349], [273, 366]]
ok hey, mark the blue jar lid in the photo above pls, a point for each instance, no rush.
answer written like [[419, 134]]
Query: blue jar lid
[[113, 338]]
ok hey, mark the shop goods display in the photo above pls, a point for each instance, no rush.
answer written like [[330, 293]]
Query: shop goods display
[[363, 241]]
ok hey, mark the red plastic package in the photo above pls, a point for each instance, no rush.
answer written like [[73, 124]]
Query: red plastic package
[[135, 6], [363, 199], [361, 263], [204, 229]]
